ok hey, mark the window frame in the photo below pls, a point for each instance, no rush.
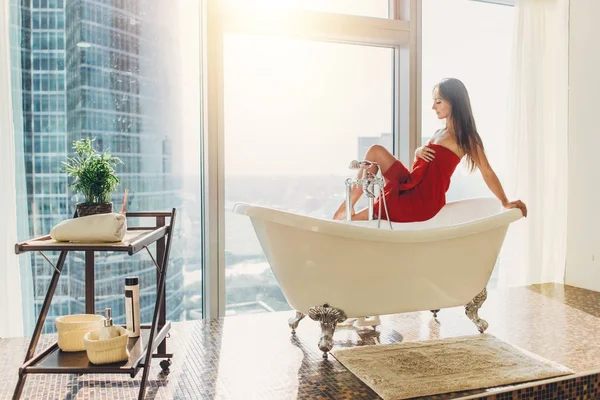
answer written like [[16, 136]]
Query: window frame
[[218, 17], [510, 3]]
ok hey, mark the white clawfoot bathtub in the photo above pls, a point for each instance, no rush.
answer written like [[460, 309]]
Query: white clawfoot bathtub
[[332, 270]]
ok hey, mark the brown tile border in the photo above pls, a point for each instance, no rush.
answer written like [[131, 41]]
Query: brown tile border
[[582, 386]]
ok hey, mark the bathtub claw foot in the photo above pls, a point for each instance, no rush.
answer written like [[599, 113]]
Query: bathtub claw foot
[[472, 309], [294, 321], [329, 317]]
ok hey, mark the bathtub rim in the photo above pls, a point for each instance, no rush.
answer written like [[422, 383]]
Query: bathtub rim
[[352, 231]]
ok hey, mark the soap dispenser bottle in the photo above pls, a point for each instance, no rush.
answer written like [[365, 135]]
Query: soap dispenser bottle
[[108, 331]]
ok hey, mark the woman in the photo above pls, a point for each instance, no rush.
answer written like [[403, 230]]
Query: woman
[[420, 194]]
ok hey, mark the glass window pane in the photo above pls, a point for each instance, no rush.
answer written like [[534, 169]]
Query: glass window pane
[[471, 41], [469, 28], [296, 113], [363, 8]]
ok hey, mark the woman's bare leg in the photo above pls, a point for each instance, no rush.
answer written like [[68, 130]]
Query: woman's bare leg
[[362, 215], [377, 154]]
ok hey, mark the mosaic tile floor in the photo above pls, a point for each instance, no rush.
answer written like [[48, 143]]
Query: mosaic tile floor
[[256, 357]]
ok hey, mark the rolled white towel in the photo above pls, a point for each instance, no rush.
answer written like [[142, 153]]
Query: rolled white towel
[[92, 228]]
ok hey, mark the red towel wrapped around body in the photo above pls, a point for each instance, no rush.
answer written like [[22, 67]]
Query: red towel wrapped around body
[[418, 195]]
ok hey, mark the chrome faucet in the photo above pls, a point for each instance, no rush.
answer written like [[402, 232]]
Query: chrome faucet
[[368, 181]]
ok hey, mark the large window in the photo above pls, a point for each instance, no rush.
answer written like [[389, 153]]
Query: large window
[[471, 41], [296, 113], [127, 75], [295, 94]]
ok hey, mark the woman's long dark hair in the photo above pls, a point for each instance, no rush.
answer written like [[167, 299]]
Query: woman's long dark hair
[[463, 123]]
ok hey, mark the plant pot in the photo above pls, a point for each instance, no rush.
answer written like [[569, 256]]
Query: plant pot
[[84, 209]]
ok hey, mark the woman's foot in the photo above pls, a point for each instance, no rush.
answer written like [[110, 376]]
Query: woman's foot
[[340, 214]]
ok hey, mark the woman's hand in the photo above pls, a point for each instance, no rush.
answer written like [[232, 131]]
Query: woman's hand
[[425, 152], [516, 204]]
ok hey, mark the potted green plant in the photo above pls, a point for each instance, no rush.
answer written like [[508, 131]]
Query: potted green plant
[[93, 176]]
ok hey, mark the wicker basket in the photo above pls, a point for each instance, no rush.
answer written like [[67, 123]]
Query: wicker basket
[[84, 209], [71, 329], [109, 350]]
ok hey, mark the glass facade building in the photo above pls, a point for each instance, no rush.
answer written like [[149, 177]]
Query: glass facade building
[[92, 69]]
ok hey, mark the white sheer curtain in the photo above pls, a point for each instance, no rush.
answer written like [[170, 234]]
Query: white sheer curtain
[[11, 317], [535, 247]]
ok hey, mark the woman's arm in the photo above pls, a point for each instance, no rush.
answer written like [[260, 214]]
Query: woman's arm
[[492, 181]]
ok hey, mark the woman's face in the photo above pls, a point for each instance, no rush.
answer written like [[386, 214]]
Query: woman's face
[[441, 107]]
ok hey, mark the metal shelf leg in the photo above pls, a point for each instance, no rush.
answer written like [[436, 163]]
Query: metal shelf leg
[[160, 303], [40, 322]]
